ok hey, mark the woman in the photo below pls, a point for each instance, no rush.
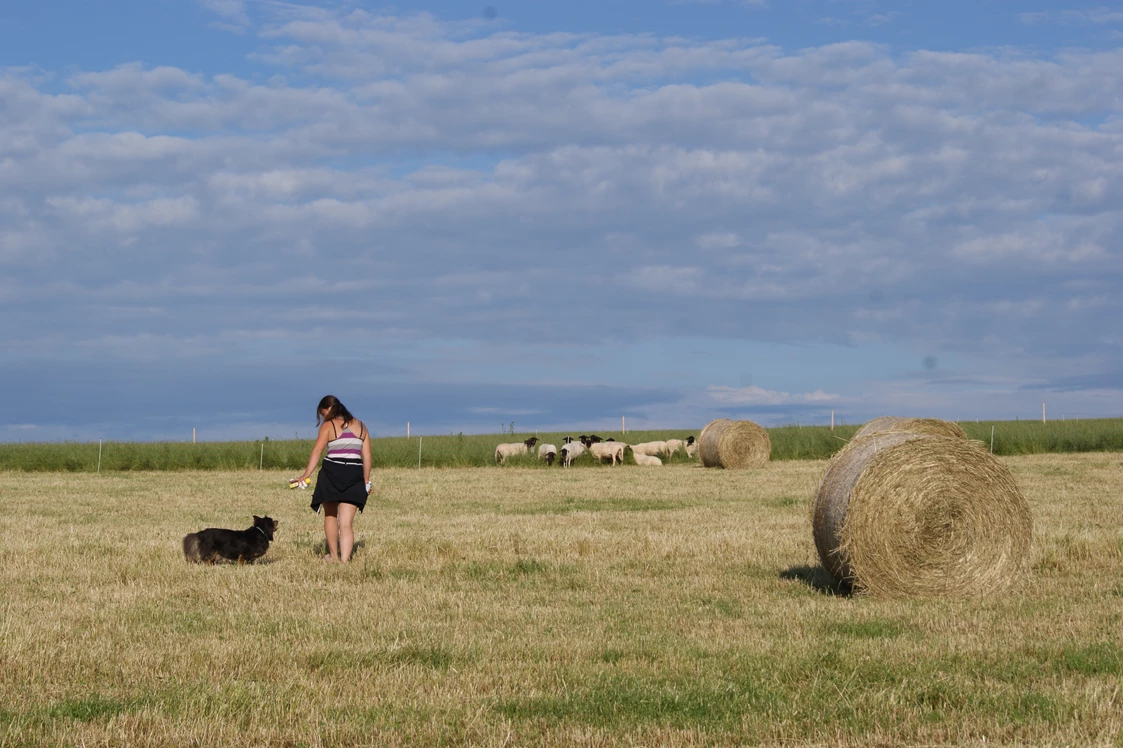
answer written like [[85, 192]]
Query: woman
[[344, 482]]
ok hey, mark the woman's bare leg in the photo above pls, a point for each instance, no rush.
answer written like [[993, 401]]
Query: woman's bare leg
[[331, 529], [346, 534]]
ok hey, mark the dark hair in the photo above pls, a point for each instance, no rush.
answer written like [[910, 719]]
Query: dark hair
[[335, 409]]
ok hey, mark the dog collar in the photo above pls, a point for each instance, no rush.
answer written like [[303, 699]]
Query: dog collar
[[261, 531]]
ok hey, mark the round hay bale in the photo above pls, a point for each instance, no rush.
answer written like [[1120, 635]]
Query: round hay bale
[[734, 445], [893, 424], [912, 515], [707, 442]]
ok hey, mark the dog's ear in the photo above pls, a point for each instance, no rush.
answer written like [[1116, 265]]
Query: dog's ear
[[256, 519]]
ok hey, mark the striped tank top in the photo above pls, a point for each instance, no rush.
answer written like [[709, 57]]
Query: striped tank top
[[346, 448]]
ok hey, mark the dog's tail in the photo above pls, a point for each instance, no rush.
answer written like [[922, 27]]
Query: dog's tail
[[191, 547]]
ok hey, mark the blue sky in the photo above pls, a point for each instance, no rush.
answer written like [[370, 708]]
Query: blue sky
[[468, 214]]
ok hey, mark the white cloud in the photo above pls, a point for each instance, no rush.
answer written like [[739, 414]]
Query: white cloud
[[754, 395], [477, 183]]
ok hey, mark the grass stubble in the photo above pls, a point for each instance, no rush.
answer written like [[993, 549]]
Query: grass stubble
[[615, 606]]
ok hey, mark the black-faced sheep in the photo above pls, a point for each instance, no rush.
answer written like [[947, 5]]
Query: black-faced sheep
[[571, 452], [691, 446], [503, 451], [547, 452]]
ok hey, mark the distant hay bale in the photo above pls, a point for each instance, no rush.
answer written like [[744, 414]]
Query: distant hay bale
[[734, 445], [912, 515], [893, 424]]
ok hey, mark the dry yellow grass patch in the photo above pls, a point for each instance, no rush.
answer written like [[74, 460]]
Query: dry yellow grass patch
[[538, 607]]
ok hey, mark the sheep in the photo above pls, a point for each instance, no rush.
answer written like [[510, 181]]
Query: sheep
[[691, 446], [568, 440], [503, 451], [571, 452], [674, 445], [589, 441], [547, 452], [648, 460], [650, 448], [612, 450]]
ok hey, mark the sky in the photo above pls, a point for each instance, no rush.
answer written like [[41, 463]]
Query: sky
[[475, 217]]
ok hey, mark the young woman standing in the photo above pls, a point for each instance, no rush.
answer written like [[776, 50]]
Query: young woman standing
[[344, 482]]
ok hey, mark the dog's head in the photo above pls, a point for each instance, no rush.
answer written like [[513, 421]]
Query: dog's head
[[267, 525]]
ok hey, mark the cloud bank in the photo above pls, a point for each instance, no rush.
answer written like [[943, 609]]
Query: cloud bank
[[394, 192]]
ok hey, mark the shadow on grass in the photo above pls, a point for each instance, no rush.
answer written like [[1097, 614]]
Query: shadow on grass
[[320, 549], [817, 578]]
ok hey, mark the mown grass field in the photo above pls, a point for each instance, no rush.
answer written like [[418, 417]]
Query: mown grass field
[[460, 450], [527, 607]]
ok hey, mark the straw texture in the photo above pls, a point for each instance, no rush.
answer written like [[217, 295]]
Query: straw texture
[[734, 445], [933, 426], [913, 515]]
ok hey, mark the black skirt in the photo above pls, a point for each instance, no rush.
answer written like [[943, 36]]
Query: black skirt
[[339, 482]]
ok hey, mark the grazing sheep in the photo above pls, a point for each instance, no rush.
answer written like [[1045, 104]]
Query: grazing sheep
[[503, 451], [547, 452], [648, 460], [674, 445], [589, 441], [611, 450], [650, 448], [571, 452], [568, 440], [691, 446]]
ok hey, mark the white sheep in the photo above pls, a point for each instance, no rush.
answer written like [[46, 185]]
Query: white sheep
[[650, 448], [547, 452], [673, 445], [648, 460], [503, 451], [571, 452], [611, 450]]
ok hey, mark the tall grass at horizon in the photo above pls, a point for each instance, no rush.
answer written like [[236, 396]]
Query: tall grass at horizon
[[477, 450]]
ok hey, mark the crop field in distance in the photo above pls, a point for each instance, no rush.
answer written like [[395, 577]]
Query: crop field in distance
[[461, 450], [531, 607]]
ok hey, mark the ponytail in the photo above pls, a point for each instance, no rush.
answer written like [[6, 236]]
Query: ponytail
[[335, 409]]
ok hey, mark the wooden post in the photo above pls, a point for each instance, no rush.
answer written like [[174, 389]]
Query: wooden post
[[407, 429], [261, 459], [832, 420], [192, 434], [1043, 412]]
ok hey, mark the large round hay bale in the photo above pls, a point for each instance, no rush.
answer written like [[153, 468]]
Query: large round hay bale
[[708, 440], [893, 424], [900, 514], [734, 445]]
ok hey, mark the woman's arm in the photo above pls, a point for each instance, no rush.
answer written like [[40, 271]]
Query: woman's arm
[[317, 450], [366, 457]]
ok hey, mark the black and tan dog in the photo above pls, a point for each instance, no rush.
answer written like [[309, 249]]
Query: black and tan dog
[[240, 546]]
